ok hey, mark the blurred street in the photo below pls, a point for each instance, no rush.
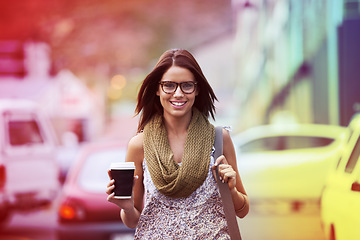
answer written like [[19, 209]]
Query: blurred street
[[293, 226], [41, 225], [38, 225]]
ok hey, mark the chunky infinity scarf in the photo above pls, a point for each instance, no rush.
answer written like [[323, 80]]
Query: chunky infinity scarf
[[170, 178]]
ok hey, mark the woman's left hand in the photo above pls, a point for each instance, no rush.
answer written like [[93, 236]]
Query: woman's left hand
[[226, 171]]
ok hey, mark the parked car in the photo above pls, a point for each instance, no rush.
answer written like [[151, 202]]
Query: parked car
[[287, 162], [83, 211], [340, 201], [28, 170]]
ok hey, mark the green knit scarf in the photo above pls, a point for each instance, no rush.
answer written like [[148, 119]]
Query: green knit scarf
[[170, 178]]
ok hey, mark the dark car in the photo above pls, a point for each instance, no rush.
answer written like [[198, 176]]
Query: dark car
[[83, 211]]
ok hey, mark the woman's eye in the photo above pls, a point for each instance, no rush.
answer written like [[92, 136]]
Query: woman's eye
[[169, 85]]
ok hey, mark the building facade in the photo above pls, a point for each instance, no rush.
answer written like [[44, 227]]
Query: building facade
[[289, 59]]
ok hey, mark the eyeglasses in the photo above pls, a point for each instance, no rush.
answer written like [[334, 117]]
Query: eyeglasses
[[170, 87]]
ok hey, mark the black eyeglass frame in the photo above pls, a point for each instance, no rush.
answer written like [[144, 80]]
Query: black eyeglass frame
[[177, 85]]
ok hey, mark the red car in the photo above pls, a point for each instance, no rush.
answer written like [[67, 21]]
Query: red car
[[84, 212]]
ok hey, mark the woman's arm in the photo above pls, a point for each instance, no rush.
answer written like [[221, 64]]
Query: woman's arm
[[131, 208], [228, 172]]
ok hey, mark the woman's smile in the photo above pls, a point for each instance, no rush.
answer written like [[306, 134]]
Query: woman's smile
[[178, 104]]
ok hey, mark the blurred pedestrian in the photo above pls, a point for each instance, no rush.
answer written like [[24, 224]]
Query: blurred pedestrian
[[173, 156]]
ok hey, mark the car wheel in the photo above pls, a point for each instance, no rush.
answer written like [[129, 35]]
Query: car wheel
[[332, 233]]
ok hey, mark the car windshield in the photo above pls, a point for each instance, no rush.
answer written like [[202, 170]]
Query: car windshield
[[24, 132], [93, 175], [354, 157], [278, 143]]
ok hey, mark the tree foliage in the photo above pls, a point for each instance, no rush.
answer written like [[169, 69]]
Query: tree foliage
[[112, 36]]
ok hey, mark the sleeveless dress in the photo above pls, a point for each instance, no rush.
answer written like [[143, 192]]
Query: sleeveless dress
[[199, 216]]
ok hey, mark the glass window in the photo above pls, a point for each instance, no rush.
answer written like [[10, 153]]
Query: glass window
[[353, 157], [93, 175], [25, 132], [351, 131], [285, 143]]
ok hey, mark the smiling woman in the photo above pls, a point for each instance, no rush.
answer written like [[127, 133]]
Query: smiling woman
[[183, 60], [174, 158]]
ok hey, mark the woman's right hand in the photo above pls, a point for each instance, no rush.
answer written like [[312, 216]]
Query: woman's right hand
[[126, 204]]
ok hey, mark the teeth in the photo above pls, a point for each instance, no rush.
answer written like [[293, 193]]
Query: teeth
[[178, 103]]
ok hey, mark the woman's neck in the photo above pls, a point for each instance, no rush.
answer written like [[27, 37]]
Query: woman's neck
[[177, 125]]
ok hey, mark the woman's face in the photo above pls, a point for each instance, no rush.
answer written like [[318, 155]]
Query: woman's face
[[177, 103]]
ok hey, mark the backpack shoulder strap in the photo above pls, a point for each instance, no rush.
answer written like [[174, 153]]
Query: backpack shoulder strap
[[225, 191]]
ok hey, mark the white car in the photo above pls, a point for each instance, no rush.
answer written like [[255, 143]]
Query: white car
[[287, 162], [28, 170], [340, 201]]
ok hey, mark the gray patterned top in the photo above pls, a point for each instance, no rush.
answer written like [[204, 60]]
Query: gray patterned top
[[199, 216]]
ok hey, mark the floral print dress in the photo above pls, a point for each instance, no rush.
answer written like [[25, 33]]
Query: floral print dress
[[199, 216]]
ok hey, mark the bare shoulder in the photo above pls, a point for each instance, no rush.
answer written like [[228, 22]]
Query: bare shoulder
[[226, 137], [135, 151], [137, 141], [229, 150]]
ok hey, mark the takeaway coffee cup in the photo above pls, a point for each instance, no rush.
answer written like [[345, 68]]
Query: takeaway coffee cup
[[123, 173]]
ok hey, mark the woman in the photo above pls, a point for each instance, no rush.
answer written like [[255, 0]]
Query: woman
[[173, 156]]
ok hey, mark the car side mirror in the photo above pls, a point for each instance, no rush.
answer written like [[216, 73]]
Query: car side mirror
[[355, 187]]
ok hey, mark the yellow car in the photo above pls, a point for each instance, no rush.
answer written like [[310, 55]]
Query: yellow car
[[340, 201], [287, 163]]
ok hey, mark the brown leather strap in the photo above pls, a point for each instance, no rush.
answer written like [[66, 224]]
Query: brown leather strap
[[225, 191]]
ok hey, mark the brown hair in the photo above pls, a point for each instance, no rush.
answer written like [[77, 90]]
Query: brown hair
[[149, 103]]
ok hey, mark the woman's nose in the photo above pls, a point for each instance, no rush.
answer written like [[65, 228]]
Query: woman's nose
[[178, 91]]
